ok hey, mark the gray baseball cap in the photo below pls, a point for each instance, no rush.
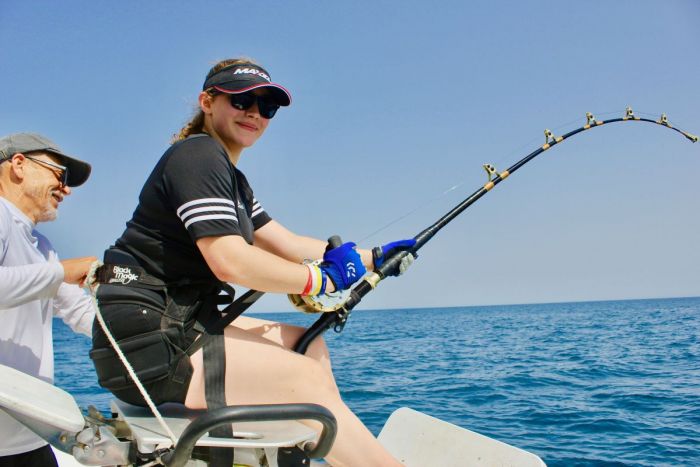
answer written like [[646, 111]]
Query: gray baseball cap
[[78, 171]]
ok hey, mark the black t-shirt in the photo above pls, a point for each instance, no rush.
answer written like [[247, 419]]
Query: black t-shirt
[[193, 192]]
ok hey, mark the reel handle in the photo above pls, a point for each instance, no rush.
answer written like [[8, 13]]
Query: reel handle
[[333, 242]]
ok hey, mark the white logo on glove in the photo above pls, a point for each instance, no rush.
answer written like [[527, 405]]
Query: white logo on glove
[[351, 271]]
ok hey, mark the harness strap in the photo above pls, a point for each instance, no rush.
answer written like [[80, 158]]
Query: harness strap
[[230, 313], [215, 394], [213, 345]]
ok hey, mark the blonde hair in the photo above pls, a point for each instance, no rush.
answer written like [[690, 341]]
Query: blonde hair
[[196, 123]]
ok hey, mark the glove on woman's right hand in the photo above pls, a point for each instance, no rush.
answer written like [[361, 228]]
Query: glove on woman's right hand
[[343, 265]]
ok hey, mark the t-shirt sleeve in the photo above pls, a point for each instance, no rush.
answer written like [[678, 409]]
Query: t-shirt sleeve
[[258, 214], [260, 217], [197, 180]]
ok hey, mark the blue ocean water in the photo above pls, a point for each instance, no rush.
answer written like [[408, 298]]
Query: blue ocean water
[[613, 383]]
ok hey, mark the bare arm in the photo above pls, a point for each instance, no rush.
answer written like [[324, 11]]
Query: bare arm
[[232, 260], [274, 238]]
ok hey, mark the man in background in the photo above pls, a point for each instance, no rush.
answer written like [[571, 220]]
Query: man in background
[[35, 177]]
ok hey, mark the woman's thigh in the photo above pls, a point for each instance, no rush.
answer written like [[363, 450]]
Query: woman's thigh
[[285, 335], [259, 370]]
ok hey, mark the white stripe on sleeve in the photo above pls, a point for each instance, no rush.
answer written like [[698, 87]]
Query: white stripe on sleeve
[[222, 201], [194, 211], [210, 217]]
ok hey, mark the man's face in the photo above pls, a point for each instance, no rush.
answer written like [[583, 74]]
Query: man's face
[[43, 190]]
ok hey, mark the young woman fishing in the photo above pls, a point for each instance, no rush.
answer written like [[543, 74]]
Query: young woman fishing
[[198, 226]]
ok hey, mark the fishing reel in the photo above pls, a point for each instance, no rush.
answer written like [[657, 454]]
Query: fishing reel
[[332, 301]]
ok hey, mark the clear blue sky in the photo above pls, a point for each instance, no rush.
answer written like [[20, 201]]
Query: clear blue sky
[[396, 102]]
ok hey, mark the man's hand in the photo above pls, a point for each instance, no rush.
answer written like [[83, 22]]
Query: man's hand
[[75, 269]]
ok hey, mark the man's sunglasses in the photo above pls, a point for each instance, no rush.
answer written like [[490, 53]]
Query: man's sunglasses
[[61, 171], [266, 105]]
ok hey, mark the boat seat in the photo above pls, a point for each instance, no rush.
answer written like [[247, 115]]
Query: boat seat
[[149, 434], [53, 414], [49, 411]]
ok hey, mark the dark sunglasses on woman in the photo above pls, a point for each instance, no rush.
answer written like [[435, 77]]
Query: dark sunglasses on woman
[[243, 101]]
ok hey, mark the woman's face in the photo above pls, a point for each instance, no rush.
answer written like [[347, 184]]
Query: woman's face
[[238, 129]]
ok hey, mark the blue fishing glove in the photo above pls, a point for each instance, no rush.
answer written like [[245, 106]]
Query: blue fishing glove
[[381, 253], [343, 265]]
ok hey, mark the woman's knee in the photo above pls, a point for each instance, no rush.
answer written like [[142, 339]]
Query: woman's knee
[[304, 371], [286, 335], [318, 349], [286, 381]]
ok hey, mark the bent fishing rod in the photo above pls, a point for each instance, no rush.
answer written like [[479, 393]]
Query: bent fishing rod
[[336, 307]]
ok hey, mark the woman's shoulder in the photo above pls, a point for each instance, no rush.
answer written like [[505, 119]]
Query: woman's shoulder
[[196, 150], [200, 143]]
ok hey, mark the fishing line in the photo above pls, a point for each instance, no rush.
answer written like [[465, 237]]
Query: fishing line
[[413, 211], [498, 162]]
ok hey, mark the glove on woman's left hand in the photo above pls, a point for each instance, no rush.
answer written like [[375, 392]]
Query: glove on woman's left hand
[[381, 253]]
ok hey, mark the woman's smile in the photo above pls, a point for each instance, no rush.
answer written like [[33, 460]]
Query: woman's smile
[[248, 126]]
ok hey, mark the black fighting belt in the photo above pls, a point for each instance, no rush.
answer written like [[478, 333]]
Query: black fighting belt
[[130, 275]]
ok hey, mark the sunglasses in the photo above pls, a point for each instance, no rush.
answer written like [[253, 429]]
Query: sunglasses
[[60, 170], [266, 105]]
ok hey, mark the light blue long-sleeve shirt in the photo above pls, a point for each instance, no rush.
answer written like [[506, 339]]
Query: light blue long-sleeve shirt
[[32, 292]]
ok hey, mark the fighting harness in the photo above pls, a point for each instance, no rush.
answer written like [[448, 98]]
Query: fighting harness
[[189, 320]]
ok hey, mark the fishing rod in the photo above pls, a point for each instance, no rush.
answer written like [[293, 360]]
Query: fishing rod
[[336, 307]]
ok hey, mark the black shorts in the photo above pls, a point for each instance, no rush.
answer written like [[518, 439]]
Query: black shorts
[[155, 347], [41, 457]]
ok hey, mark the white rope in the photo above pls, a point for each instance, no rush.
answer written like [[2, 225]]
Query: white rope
[[92, 285]]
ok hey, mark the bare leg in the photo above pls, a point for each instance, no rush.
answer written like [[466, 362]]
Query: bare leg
[[286, 335], [261, 371]]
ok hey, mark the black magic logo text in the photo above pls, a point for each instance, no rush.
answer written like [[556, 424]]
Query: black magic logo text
[[123, 275]]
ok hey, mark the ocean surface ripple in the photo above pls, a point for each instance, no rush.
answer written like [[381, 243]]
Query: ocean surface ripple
[[613, 383]]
